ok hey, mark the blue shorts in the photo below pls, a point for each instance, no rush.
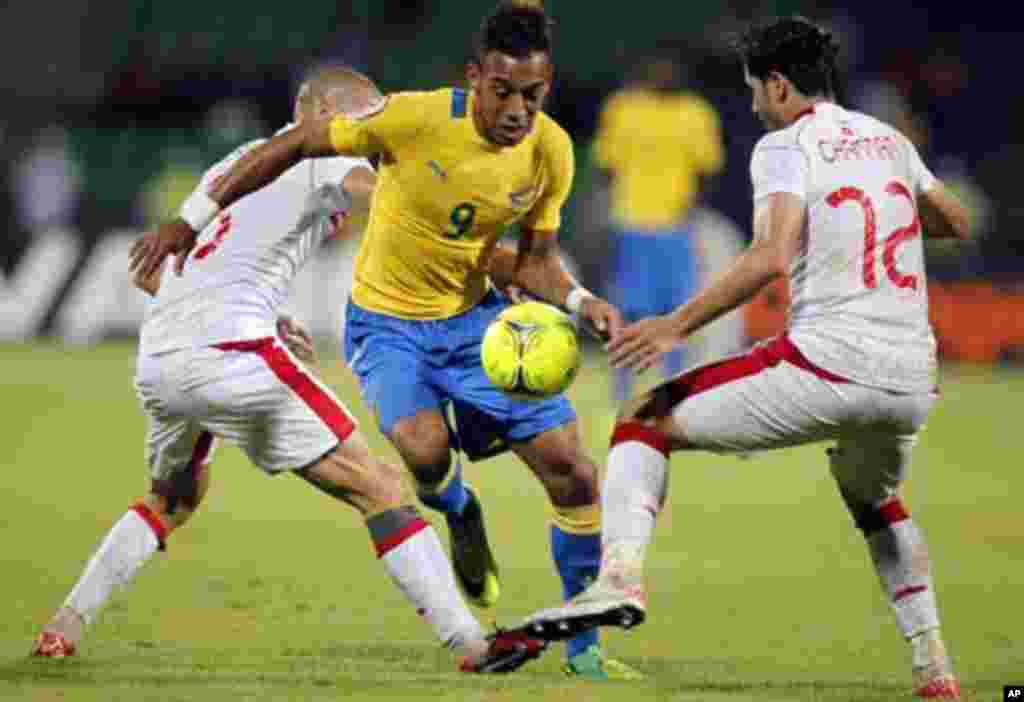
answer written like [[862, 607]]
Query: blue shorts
[[653, 273], [405, 366]]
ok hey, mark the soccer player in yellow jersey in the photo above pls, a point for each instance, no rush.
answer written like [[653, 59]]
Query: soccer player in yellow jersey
[[456, 168], [658, 144]]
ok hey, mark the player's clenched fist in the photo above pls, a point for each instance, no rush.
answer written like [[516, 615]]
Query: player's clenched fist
[[602, 316]]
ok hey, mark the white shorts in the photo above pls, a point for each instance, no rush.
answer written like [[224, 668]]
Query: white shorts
[[773, 397], [255, 394]]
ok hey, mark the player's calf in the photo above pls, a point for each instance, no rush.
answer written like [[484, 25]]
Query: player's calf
[[570, 478], [351, 474], [900, 556], [423, 442]]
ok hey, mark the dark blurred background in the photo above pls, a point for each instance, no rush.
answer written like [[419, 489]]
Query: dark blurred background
[[112, 110]]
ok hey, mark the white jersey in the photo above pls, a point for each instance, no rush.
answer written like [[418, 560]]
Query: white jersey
[[241, 269], [859, 299]]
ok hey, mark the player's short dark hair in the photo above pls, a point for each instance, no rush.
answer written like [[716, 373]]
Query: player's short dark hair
[[517, 28], [798, 49]]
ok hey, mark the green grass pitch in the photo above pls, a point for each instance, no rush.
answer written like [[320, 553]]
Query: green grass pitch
[[759, 586]]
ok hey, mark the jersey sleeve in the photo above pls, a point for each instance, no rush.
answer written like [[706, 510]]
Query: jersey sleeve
[[560, 164], [221, 167], [383, 128], [332, 171], [779, 167], [921, 178]]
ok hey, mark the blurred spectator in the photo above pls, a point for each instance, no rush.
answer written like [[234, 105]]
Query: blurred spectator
[[720, 242], [658, 143], [231, 123], [46, 182]]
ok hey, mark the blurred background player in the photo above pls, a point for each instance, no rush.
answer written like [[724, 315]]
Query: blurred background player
[[659, 143], [839, 203], [214, 361], [456, 168]]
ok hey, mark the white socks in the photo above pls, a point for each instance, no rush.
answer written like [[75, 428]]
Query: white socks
[[632, 494], [421, 570], [901, 559], [128, 545]]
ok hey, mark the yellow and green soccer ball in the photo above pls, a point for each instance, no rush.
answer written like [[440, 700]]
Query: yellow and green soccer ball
[[531, 351]]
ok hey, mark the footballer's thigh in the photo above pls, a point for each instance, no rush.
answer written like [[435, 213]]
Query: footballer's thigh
[[754, 401], [354, 475], [870, 461], [392, 360], [178, 448], [258, 395], [557, 458], [285, 419]]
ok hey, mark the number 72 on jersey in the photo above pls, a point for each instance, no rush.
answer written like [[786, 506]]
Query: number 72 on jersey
[[898, 236]]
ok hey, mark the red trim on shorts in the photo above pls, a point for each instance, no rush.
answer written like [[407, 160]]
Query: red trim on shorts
[[760, 358], [892, 512], [291, 374], [153, 520], [908, 591], [637, 431], [401, 536]]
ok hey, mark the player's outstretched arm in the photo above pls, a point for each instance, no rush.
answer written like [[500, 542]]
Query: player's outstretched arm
[[943, 215], [778, 222], [265, 163], [254, 170], [538, 269]]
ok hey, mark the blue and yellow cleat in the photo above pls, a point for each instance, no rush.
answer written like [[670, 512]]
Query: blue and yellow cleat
[[472, 560], [592, 665]]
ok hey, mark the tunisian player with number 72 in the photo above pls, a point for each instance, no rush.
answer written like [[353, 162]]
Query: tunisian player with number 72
[[839, 203]]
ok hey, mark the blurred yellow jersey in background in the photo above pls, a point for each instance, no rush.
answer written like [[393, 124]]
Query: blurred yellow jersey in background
[[656, 145], [444, 197]]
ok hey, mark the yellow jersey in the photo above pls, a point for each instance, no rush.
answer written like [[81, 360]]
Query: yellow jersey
[[444, 197], [656, 145]]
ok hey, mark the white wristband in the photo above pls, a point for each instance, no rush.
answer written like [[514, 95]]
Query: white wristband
[[198, 210], [574, 300]]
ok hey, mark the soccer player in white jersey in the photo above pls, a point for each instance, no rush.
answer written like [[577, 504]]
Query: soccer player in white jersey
[[212, 363], [841, 201]]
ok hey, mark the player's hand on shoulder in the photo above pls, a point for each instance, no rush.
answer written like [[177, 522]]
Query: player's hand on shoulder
[[149, 251], [640, 345], [602, 316], [296, 337]]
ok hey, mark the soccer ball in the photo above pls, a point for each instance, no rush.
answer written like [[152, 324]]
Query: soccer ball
[[530, 351]]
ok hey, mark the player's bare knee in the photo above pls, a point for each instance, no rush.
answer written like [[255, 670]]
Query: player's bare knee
[[177, 497], [171, 519], [872, 503], [423, 444], [570, 477], [651, 408], [653, 412]]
